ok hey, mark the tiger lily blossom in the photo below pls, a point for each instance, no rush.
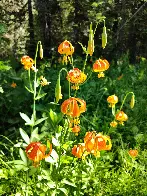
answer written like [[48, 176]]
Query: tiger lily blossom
[[36, 152]]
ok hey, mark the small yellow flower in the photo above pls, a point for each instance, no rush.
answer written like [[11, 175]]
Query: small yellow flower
[[43, 81], [113, 124], [101, 75], [34, 68], [76, 87], [13, 85]]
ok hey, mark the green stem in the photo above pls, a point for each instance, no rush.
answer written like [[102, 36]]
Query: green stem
[[26, 183], [63, 69], [85, 62], [39, 90], [35, 82], [59, 160], [125, 99], [29, 74], [72, 62], [7, 139]]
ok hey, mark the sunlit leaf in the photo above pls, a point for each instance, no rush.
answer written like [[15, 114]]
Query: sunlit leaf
[[24, 136], [40, 120], [64, 181], [40, 96], [23, 156], [25, 117]]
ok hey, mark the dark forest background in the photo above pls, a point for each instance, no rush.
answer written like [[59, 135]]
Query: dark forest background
[[23, 23]]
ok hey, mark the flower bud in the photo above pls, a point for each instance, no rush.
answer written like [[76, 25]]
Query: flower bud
[[41, 51], [132, 103]]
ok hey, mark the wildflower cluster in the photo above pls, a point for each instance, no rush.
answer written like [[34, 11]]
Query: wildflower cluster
[[73, 107], [93, 144], [119, 116]]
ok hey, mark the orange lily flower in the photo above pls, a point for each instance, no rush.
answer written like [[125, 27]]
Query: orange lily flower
[[76, 76], [66, 49], [89, 141], [133, 153], [101, 66], [73, 107], [103, 142], [27, 62], [79, 151], [121, 117], [113, 99], [96, 142], [36, 152]]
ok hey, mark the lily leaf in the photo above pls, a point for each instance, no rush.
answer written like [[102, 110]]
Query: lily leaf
[[24, 136], [40, 96], [29, 90], [40, 120], [26, 118], [23, 156]]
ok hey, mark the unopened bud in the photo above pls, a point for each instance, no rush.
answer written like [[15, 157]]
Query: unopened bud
[[41, 51], [132, 103]]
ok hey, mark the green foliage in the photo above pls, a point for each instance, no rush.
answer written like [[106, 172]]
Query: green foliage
[[36, 171]]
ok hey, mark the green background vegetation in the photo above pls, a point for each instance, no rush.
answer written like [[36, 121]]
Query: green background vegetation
[[22, 24]]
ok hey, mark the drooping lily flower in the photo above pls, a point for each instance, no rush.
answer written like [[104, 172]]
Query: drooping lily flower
[[101, 66], [36, 152], [76, 77], [102, 142], [73, 107], [80, 151], [66, 49], [27, 62], [96, 142], [113, 99], [121, 117]]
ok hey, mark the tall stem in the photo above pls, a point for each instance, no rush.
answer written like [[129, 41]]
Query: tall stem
[[63, 69], [35, 82], [85, 62], [26, 183]]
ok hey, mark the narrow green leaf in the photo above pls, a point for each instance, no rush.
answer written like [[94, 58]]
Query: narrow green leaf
[[53, 116], [63, 190], [24, 136], [23, 156], [40, 96], [58, 93], [25, 117], [29, 90], [40, 120], [64, 181], [16, 162]]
